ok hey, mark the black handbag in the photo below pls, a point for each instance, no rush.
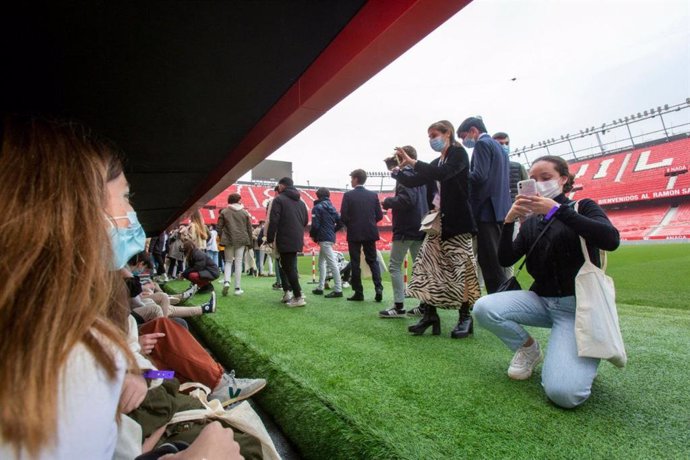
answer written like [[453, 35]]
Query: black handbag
[[512, 284]]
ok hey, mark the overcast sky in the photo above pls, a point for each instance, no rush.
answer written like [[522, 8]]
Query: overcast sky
[[576, 64]]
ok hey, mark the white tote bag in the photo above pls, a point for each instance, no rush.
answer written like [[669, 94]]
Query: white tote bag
[[597, 332]]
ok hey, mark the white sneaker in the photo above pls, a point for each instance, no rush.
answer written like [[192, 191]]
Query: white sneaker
[[346, 285], [226, 288], [296, 302], [238, 291], [524, 361], [231, 389], [287, 297]]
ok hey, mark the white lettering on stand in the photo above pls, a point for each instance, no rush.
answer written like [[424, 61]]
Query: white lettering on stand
[[642, 164], [603, 168]]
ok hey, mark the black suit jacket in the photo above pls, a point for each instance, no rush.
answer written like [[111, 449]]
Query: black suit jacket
[[360, 212], [456, 214]]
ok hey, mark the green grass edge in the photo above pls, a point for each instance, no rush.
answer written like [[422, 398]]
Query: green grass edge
[[293, 404]]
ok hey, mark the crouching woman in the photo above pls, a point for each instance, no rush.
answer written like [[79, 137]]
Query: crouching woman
[[201, 268], [554, 263]]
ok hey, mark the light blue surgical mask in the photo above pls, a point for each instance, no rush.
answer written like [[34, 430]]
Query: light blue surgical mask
[[437, 143], [468, 142], [126, 242], [506, 148]]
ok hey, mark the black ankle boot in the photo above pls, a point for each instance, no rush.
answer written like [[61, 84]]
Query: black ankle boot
[[465, 325], [430, 318]]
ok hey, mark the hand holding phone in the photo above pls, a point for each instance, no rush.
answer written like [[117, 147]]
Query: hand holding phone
[[527, 187]]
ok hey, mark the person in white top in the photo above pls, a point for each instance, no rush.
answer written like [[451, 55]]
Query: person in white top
[[63, 360]]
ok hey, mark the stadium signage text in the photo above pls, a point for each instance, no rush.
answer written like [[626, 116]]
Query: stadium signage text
[[645, 196]]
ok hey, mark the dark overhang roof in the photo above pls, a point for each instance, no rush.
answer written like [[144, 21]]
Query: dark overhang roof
[[198, 92]]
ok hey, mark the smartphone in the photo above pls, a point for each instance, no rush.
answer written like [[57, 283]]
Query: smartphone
[[527, 187]]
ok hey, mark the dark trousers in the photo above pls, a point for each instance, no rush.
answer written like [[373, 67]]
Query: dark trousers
[[488, 236], [257, 258], [355, 248], [160, 262], [288, 265], [171, 267]]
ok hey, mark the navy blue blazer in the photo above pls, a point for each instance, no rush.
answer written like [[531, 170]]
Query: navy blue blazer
[[489, 181], [360, 212]]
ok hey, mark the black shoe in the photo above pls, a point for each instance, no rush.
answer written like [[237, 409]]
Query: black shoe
[[357, 297], [333, 295], [317, 291], [379, 295], [465, 325], [430, 318]]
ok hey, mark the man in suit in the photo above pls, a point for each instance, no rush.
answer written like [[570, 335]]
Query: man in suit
[[489, 196], [360, 212]]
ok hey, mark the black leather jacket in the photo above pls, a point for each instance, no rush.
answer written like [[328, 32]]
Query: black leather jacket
[[558, 256]]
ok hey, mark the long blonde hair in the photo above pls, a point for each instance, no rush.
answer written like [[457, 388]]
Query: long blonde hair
[[57, 284], [198, 221]]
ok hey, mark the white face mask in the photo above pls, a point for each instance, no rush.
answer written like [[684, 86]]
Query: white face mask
[[550, 188]]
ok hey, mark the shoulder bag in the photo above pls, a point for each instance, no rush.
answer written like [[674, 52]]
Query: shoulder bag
[[597, 330]]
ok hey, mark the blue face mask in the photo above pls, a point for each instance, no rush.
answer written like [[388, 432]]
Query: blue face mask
[[126, 242], [468, 142], [506, 148], [437, 143]]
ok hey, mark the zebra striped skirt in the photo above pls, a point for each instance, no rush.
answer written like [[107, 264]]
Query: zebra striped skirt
[[444, 273]]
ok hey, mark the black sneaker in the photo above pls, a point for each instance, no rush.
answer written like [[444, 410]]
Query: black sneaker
[[392, 313], [356, 297], [379, 295], [317, 291], [416, 311], [333, 295], [210, 306]]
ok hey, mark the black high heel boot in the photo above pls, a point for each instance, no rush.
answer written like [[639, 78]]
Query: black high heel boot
[[430, 318], [465, 325]]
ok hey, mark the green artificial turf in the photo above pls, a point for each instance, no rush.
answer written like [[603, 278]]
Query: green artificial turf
[[346, 384]]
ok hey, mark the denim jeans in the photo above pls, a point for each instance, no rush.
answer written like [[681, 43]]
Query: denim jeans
[[398, 253], [566, 378], [327, 257]]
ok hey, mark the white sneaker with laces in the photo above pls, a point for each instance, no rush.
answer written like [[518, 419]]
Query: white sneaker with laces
[[296, 302], [231, 390], [238, 291], [524, 361], [287, 297]]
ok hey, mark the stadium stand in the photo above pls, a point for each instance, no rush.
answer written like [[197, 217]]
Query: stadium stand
[[645, 191]]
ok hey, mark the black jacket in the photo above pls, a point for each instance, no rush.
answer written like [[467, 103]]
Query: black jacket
[[408, 207], [360, 212], [287, 221], [201, 262], [456, 215], [558, 256]]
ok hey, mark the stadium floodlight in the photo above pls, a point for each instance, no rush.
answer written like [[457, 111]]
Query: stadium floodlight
[[665, 106], [645, 113], [567, 136], [687, 100], [626, 119]]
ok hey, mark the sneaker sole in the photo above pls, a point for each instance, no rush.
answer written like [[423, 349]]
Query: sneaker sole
[[242, 397]]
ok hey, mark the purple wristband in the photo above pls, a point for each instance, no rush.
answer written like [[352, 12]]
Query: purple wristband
[[552, 212], [151, 374]]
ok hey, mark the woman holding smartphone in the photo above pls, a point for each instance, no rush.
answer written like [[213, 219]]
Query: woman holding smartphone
[[444, 272], [554, 263]]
